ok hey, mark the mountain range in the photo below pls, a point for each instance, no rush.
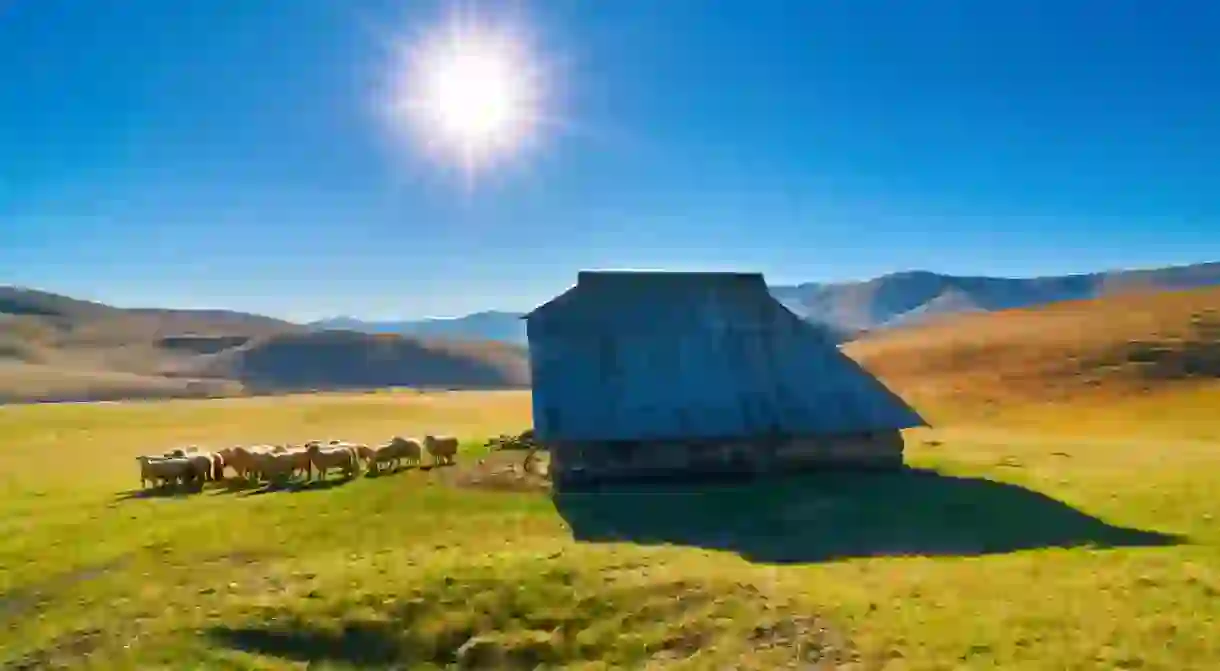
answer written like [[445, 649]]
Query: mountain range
[[850, 308], [486, 325], [55, 347]]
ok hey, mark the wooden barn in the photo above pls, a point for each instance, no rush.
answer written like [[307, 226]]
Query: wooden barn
[[640, 374]]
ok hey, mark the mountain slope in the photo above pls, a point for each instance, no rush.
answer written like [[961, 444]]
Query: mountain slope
[[912, 297], [338, 359], [54, 347], [1118, 345], [19, 301]]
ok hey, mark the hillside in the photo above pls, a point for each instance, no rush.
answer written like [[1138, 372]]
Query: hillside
[[338, 359], [913, 297], [54, 347], [848, 309], [1124, 345], [66, 312]]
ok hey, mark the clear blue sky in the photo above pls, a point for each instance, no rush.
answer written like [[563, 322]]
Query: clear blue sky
[[228, 154]]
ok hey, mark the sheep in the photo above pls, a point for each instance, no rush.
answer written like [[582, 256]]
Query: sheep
[[274, 466], [365, 453], [277, 466], [340, 456], [301, 461], [163, 471], [245, 460], [205, 465], [382, 454], [241, 459], [301, 458], [218, 466], [442, 448], [408, 449]]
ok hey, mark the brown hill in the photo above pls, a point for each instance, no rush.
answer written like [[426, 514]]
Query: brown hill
[[54, 347], [1119, 345], [338, 359], [907, 298]]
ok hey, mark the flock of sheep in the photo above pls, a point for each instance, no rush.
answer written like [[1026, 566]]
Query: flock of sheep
[[277, 463]]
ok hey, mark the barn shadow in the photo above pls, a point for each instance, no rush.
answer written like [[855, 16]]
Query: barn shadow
[[836, 515]]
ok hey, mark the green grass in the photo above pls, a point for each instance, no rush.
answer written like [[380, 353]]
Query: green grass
[[1021, 551]]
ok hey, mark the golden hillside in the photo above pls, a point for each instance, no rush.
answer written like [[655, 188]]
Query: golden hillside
[[1114, 346]]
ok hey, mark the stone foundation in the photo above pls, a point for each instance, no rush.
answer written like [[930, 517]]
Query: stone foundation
[[574, 464]]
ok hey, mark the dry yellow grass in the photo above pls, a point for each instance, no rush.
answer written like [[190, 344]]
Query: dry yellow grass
[[1081, 353], [26, 382]]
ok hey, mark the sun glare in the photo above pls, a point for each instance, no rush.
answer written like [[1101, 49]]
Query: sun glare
[[470, 93]]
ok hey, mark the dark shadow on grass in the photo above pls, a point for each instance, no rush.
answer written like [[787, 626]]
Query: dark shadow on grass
[[834, 515], [353, 646], [293, 486], [159, 493], [387, 471], [234, 486]]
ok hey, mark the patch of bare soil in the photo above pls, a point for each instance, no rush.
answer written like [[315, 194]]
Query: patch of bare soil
[[503, 470]]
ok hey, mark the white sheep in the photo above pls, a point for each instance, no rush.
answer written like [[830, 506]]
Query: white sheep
[[442, 448]]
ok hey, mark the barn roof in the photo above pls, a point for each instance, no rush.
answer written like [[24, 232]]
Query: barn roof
[[629, 300], [651, 355]]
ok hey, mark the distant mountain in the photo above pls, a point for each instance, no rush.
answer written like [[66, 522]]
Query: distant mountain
[[918, 296], [850, 308], [479, 326]]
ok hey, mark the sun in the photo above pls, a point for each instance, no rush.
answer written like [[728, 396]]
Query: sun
[[470, 92]]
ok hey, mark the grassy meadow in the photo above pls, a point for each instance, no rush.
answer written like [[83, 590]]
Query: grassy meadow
[[1040, 538]]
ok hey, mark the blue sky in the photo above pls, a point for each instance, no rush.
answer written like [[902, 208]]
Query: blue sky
[[229, 154]]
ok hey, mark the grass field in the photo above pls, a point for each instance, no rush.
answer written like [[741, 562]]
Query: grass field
[[400, 571]]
